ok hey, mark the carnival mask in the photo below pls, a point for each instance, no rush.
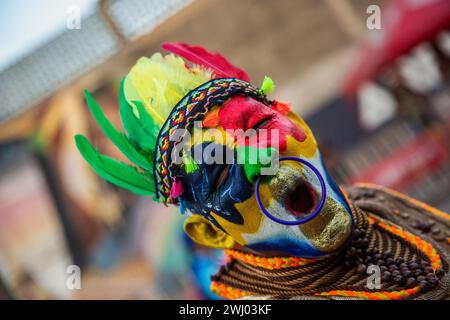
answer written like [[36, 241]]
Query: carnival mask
[[245, 169]]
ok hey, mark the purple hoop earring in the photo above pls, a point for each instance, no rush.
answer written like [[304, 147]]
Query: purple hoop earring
[[310, 216]]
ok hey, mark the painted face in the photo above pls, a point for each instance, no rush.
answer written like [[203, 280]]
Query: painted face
[[224, 192]]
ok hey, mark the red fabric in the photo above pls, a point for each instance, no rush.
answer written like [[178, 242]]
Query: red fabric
[[221, 67], [405, 24], [244, 113]]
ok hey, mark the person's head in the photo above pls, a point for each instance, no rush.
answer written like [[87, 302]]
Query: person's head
[[246, 169]]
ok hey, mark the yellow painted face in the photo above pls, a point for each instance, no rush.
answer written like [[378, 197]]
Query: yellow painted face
[[220, 188]]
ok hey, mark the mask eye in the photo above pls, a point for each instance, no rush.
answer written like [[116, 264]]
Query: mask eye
[[223, 176], [261, 123]]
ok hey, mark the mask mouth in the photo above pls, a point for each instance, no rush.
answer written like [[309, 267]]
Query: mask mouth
[[302, 201], [299, 199]]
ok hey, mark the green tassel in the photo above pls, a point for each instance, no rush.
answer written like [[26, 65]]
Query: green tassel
[[267, 86], [190, 165], [254, 159], [116, 172]]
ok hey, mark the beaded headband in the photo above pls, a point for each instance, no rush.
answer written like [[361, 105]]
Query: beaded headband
[[193, 107]]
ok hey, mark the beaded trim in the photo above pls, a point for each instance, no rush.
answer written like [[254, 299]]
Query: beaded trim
[[422, 245], [425, 247], [193, 107]]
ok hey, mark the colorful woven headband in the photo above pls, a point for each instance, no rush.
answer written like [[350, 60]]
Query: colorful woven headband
[[151, 112], [193, 107]]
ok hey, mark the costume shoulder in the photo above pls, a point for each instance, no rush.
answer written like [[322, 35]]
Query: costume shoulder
[[401, 209], [428, 222]]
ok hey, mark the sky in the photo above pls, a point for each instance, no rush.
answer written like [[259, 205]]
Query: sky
[[27, 24]]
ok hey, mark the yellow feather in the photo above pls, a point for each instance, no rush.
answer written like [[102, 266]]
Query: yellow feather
[[160, 82]]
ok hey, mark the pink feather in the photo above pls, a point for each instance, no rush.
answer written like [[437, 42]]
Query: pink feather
[[221, 67]]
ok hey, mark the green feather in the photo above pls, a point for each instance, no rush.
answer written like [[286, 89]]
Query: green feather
[[116, 172], [141, 128], [118, 138]]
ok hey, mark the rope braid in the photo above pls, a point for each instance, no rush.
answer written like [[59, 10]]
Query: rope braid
[[374, 241]]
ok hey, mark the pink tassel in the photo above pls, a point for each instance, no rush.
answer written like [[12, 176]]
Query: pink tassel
[[177, 188]]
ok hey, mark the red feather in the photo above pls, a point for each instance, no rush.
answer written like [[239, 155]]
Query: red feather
[[198, 55]]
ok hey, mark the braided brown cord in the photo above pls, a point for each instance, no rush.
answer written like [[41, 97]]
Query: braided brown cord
[[323, 273], [331, 273]]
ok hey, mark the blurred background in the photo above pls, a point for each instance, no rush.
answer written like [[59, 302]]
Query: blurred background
[[371, 77]]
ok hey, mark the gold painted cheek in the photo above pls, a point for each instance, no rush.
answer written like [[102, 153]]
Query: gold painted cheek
[[285, 181], [330, 229], [252, 216]]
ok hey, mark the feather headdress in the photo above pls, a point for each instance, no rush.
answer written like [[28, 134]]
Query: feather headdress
[[148, 95]]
